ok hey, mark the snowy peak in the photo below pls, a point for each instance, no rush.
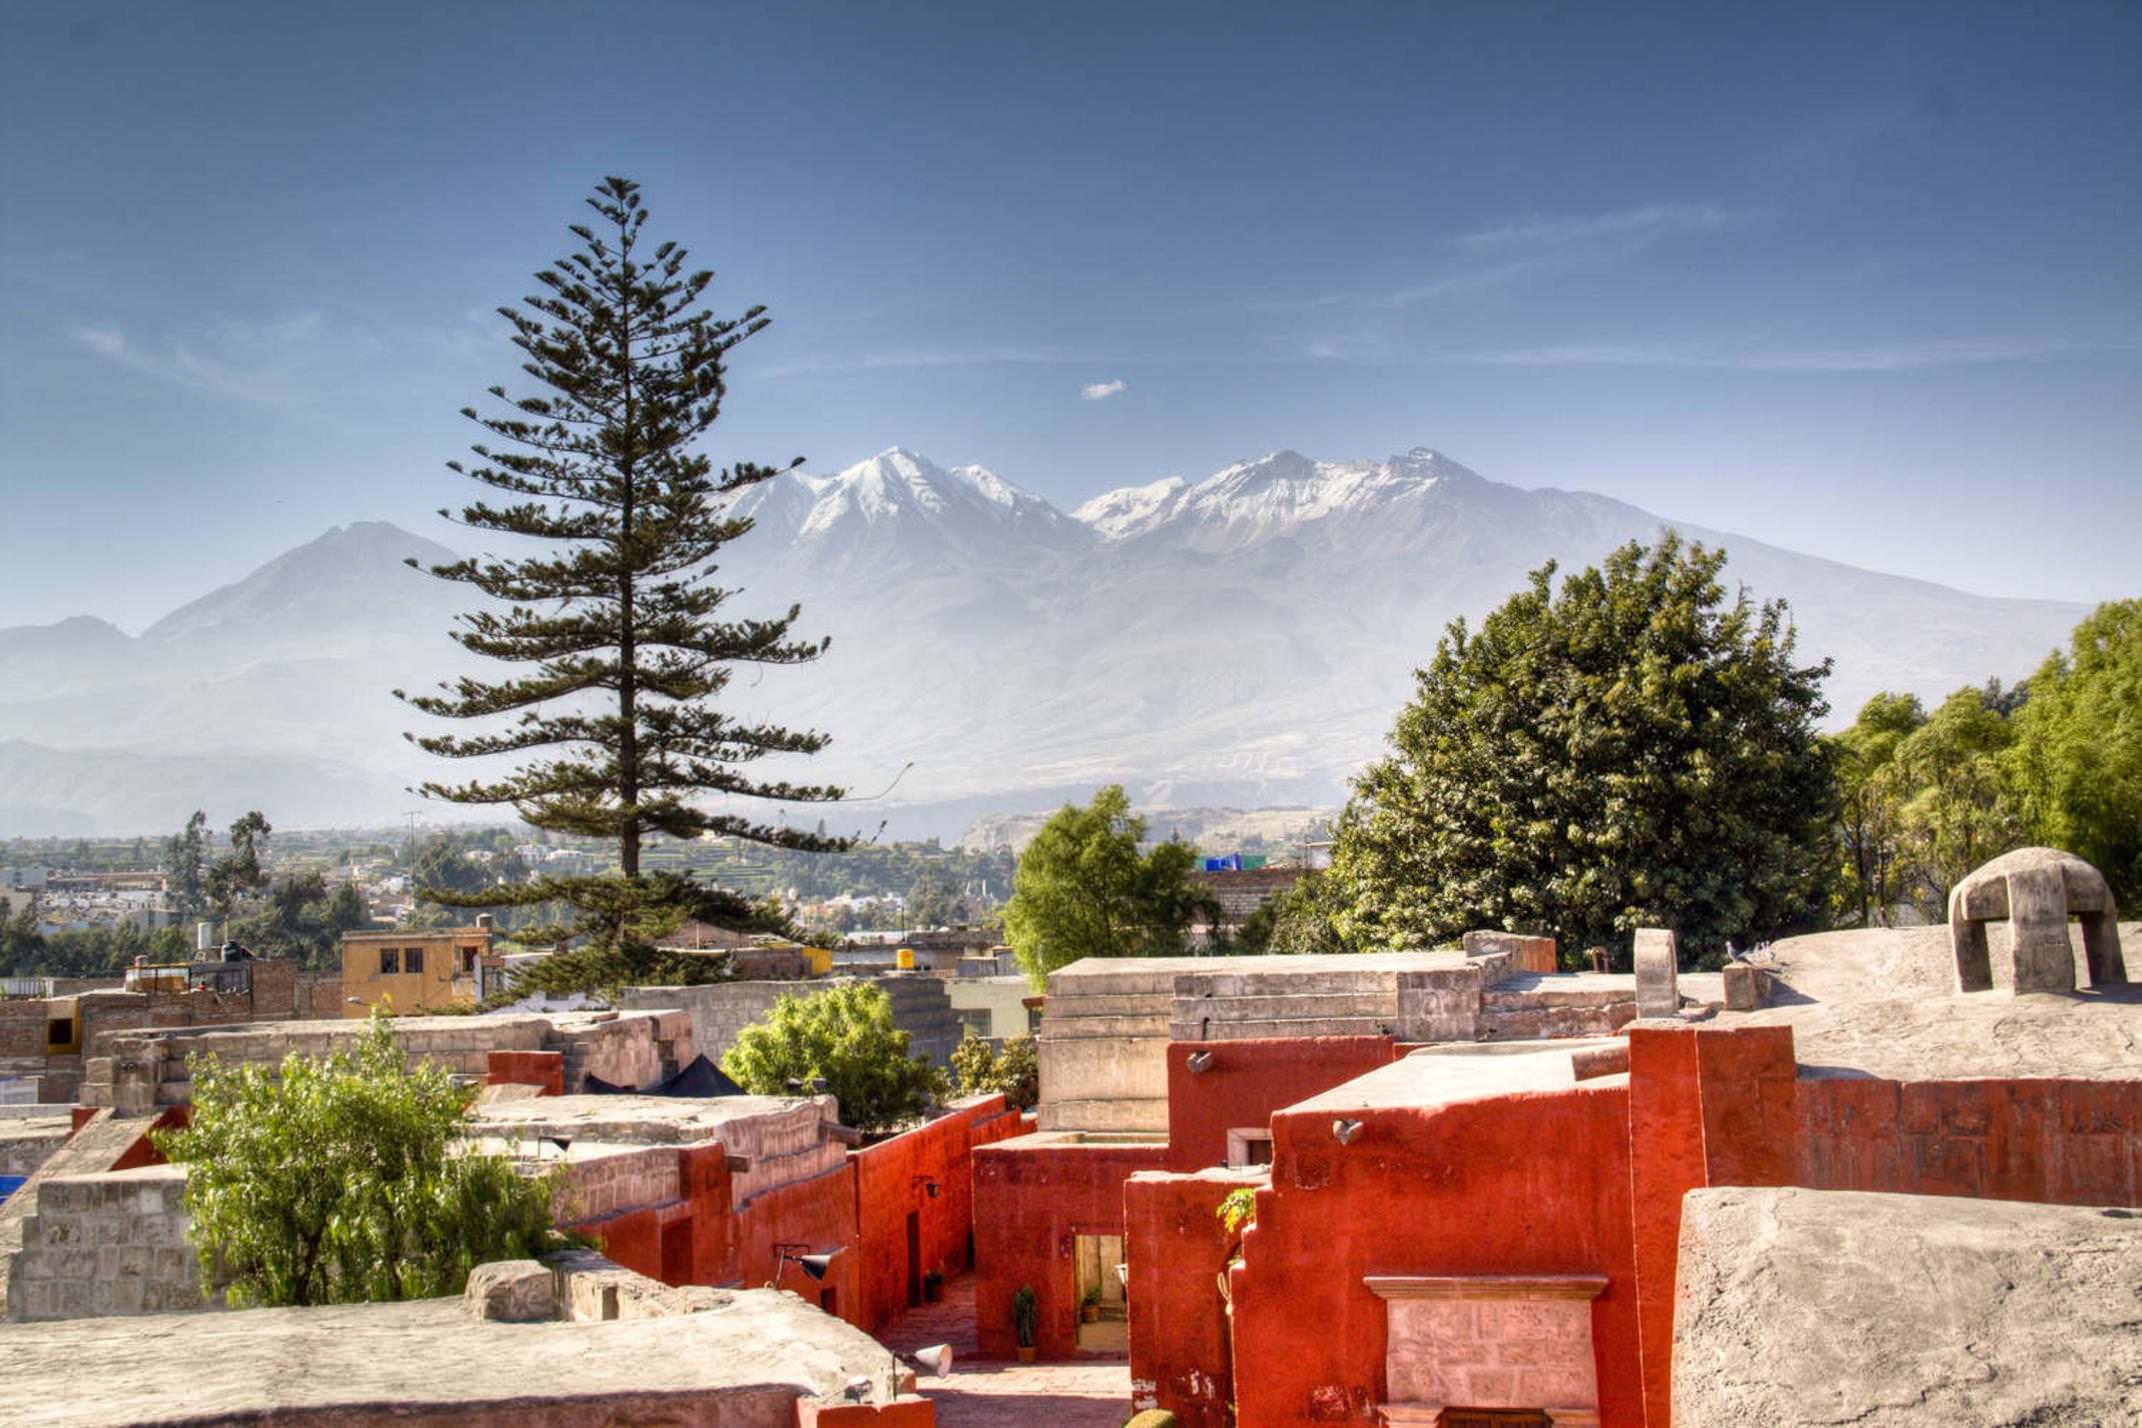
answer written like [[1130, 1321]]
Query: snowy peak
[[898, 495], [1131, 509], [1275, 495]]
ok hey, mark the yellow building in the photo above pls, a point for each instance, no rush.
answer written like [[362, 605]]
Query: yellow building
[[412, 971]]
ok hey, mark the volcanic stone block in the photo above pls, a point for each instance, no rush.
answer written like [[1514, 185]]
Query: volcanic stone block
[[1658, 964], [2036, 890], [513, 1291]]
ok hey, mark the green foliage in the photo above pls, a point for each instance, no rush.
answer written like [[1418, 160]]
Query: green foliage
[[2076, 764], [618, 628], [186, 859], [978, 1069], [1295, 923], [1869, 815], [933, 899], [1083, 890], [240, 872], [618, 922], [844, 1036], [1239, 1210], [91, 952], [1026, 1315], [1630, 751], [335, 1181]]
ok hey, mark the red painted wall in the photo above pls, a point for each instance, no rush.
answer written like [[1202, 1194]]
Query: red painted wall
[[543, 1069], [893, 1180], [1244, 1082], [1179, 1354], [818, 1213], [1522, 1184], [2053, 1141], [1031, 1196], [143, 1151]]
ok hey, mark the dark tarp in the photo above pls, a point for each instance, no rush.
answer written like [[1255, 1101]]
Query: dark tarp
[[701, 1079]]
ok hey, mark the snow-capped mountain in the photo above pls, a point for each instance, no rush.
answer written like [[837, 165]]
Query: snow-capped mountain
[[1242, 640]]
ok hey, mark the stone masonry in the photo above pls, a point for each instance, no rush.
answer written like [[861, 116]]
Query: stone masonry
[[106, 1244]]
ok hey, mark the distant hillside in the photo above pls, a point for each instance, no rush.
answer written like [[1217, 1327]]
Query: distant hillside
[[1215, 831], [1239, 642]]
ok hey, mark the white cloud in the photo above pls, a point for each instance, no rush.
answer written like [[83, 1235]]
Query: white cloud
[[1899, 356], [273, 350], [1101, 391], [1624, 227]]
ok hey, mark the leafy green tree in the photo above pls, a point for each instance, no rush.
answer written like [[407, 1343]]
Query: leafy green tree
[[933, 899], [1631, 750], [2076, 765], [1948, 783], [186, 855], [1084, 890], [979, 1069], [337, 1180], [845, 1037], [1875, 872], [240, 872], [621, 635]]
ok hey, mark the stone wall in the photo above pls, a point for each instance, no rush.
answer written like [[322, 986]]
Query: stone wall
[[106, 1244], [721, 1010]]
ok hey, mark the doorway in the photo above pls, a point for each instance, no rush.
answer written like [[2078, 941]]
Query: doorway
[[1103, 1308], [914, 1258]]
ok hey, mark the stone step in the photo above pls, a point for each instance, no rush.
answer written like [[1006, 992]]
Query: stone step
[[1533, 999], [1554, 1022], [1287, 1027], [1131, 1028], [1371, 1003]]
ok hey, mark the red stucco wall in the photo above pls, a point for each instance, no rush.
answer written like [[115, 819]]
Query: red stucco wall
[[893, 1180], [1178, 1323], [1522, 1184], [1031, 1197], [542, 1069], [818, 1213], [1245, 1081]]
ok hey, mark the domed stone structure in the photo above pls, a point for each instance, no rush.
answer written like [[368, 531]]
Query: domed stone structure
[[2037, 890]]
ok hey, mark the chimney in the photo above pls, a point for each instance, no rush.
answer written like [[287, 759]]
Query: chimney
[[204, 937]]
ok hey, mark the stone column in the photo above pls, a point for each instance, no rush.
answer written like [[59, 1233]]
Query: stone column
[[1658, 968]]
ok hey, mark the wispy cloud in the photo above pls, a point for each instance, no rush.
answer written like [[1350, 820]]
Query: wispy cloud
[[1539, 246], [1101, 391], [247, 360], [1904, 355], [1619, 230], [946, 357]]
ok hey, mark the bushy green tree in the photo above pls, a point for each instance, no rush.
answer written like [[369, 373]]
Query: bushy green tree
[[620, 635], [845, 1037], [186, 866], [979, 1069], [1947, 782], [1084, 890], [334, 1180], [242, 871], [1876, 872], [2076, 764], [1633, 749]]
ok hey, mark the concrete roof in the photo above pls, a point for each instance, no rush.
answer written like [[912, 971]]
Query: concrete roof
[[1805, 1307], [1883, 1003], [1462, 1071], [1308, 966], [430, 1354], [640, 1120]]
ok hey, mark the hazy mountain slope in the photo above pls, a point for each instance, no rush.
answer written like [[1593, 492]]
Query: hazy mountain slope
[[1243, 640]]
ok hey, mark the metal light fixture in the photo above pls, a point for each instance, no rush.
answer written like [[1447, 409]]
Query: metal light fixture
[[814, 1265], [929, 1186], [1200, 1062], [1344, 1131], [937, 1358]]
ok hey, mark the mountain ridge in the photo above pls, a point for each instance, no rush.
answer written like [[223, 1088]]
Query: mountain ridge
[[1245, 639]]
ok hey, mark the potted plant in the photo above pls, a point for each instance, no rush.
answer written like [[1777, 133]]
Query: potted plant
[[933, 1287], [1026, 1317], [1089, 1305]]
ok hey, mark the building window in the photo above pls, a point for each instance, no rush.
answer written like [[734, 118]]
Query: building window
[[975, 1022], [390, 961], [60, 1032], [413, 959], [1249, 1146], [468, 960], [1033, 1021]]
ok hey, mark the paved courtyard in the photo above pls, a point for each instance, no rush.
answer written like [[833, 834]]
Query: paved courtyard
[[1091, 1393]]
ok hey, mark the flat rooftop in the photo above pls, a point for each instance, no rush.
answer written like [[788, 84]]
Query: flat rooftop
[[365, 1362], [637, 1120], [1319, 964], [1464, 1071]]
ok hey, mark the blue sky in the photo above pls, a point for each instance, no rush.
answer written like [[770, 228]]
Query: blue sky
[[1859, 280]]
